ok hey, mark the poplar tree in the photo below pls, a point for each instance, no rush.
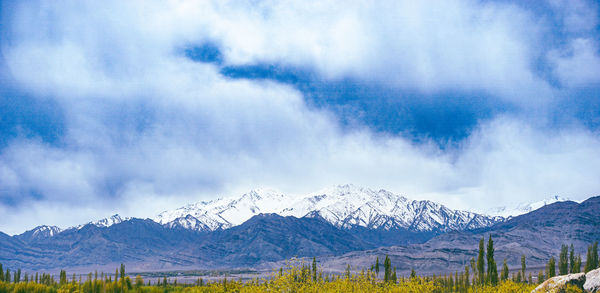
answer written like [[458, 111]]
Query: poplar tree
[[504, 274], [591, 260], [563, 260], [63, 277], [551, 268], [473, 264], [572, 260], [377, 266], [540, 277], [122, 272], [492, 268], [387, 266], [467, 275], [1, 273], [480, 263], [523, 265], [348, 272], [577, 266]]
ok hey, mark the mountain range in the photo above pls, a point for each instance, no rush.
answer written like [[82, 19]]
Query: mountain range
[[340, 225], [344, 206]]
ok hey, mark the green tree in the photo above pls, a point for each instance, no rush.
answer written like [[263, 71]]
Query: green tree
[[63, 278], [481, 263], [413, 274], [348, 272], [572, 259], [377, 266], [563, 260], [394, 278], [139, 282], [122, 272], [1, 273], [523, 265], [504, 273], [129, 285], [17, 276], [577, 265], [540, 277], [591, 260], [387, 267], [492, 268], [551, 268], [473, 264]]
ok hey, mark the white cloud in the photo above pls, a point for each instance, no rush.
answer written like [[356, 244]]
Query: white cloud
[[147, 129], [577, 16], [427, 46], [578, 65]]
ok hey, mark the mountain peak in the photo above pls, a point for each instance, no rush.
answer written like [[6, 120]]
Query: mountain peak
[[106, 222], [38, 232]]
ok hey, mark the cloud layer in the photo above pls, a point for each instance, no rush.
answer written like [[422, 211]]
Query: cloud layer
[[147, 128]]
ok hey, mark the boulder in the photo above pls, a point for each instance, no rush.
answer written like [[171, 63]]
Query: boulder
[[592, 281], [559, 283]]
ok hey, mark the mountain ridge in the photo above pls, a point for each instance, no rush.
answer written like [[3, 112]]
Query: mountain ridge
[[344, 206]]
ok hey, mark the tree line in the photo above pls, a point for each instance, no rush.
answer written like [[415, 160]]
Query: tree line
[[480, 275]]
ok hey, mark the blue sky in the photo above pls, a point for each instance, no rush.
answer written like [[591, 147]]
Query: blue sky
[[141, 106]]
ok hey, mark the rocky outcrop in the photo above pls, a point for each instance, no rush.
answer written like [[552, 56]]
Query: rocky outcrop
[[559, 283], [592, 281]]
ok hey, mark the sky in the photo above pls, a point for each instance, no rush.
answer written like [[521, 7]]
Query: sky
[[134, 107]]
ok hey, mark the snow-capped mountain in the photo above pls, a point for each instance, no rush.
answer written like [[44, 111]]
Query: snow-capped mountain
[[344, 206], [39, 232], [106, 222], [524, 208], [224, 213], [44, 231]]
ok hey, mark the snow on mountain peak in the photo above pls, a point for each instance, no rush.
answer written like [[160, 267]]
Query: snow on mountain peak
[[106, 222], [344, 206], [226, 212], [45, 231], [514, 210]]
